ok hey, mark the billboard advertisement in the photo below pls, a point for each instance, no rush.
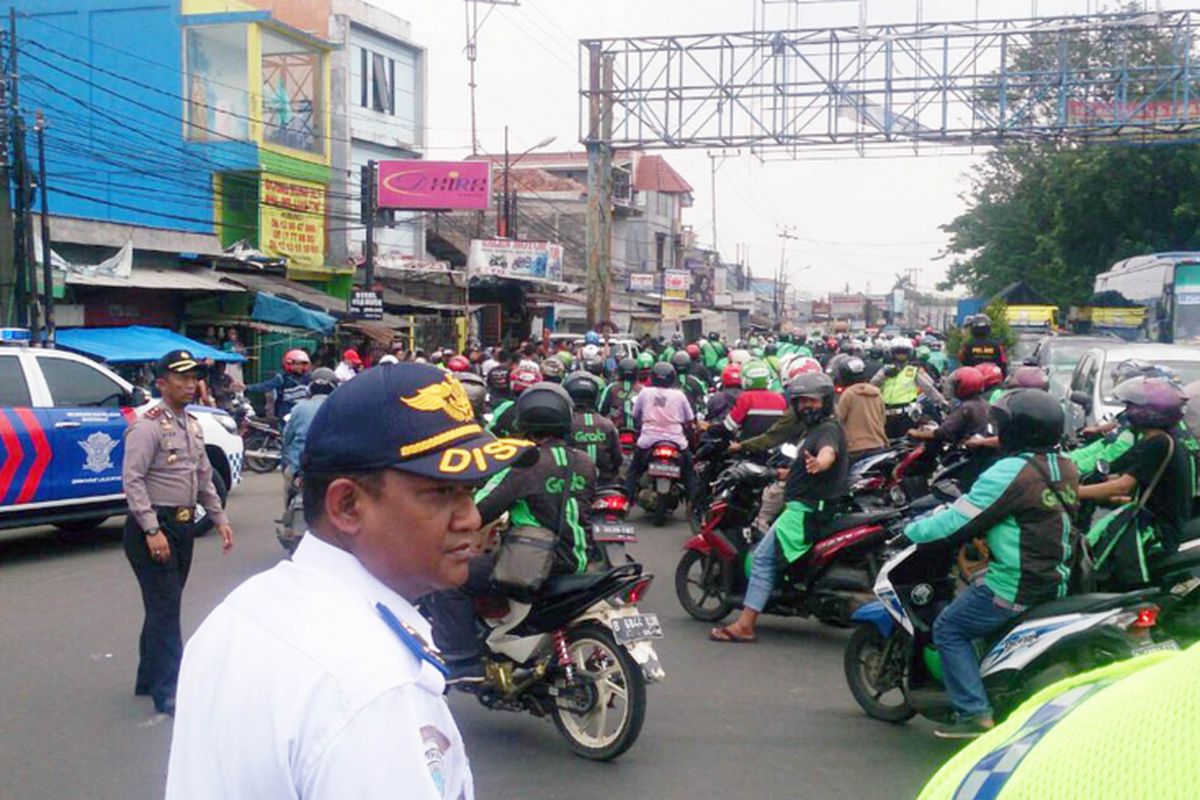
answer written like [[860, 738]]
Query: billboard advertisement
[[846, 306], [675, 309], [505, 258], [675, 284], [435, 185], [292, 220], [641, 282]]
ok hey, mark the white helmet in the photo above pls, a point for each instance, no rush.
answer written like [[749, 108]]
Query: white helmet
[[388, 359], [591, 351], [740, 356]]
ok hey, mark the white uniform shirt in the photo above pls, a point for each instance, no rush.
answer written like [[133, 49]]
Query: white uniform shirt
[[344, 371], [295, 687]]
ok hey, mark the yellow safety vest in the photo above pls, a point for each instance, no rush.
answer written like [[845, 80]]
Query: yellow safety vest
[[901, 389]]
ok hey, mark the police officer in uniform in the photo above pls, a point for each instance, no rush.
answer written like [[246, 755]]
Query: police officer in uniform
[[165, 473], [316, 678], [982, 347]]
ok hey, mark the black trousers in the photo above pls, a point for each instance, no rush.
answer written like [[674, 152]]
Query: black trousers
[[641, 460], [160, 648], [452, 611]]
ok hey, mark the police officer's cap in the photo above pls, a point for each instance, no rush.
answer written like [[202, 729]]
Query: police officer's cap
[[410, 417], [181, 362]]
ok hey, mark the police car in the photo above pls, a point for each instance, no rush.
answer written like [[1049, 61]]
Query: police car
[[62, 424]]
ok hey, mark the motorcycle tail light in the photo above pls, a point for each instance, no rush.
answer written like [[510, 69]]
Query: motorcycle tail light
[[639, 589], [664, 452], [1146, 617], [627, 438], [614, 502]]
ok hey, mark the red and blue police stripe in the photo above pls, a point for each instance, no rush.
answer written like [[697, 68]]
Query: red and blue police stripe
[[27, 453]]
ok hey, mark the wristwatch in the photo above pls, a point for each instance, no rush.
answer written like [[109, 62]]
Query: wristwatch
[[154, 532]]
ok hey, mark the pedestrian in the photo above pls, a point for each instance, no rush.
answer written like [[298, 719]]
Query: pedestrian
[[315, 679], [165, 473], [350, 365]]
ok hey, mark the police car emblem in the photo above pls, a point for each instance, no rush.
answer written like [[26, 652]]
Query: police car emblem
[[99, 447]]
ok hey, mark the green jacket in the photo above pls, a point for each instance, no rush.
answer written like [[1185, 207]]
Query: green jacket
[[788, 428], [1106, 448]]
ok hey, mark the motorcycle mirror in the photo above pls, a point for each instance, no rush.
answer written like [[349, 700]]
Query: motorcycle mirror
[[1103, 467]]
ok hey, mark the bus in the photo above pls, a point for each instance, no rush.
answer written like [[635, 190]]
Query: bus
[[1167, 285]]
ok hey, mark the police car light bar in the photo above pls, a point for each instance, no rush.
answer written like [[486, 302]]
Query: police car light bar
[[15, 336]]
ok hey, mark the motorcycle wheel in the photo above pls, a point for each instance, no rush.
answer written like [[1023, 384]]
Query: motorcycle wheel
[[617, 685], [863, 653], [662, 508], [258, 440], [694, 591]]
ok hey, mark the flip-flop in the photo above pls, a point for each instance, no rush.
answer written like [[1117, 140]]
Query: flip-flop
[[726, 636]]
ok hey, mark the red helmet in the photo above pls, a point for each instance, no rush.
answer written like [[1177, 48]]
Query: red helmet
[[522, 378], [992, 376], [731, 377], [802, 365], [458, 364], [967, 382], [296, 361], [693, 351]]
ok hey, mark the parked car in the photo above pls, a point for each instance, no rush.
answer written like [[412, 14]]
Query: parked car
[[1058, 356], [1091, 390], [620, 347], [62, 424]]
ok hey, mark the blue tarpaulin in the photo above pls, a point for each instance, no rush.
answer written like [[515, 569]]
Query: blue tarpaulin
[[135, 344], [281, 311]]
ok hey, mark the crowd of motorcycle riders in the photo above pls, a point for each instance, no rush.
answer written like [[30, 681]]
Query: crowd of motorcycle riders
[[1036, 504]]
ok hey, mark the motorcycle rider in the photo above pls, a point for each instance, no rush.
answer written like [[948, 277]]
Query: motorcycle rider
[[695, 388], [504, 416], [901, 383], [697, 368], [350, 365], [1160, 463], [616, 399], [533, 494], [645, 362], [476, 389], [1023, 505], [284, 389], [937, 355], [757, 408], [593, 433], [860, 410], [295, 434], [720, 402], [982, 347], [553, 370], [817, 477], [993, 381], [969, 418], [662, 413]]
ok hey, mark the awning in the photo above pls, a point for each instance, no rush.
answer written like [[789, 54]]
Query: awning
[[280, 286], [135, 344], [280, 311], [172, 279]]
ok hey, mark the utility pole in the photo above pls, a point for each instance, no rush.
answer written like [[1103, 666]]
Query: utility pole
[[600, 186], [369, 210], [12, 305], [22, 233], [47, 267], [504, 216], [716, 161], [471, 8], [786, 232]]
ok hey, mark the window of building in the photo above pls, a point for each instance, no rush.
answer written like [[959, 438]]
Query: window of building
[[377, 89], [73, 385], [660, 248], [292, 86], [218, 92]]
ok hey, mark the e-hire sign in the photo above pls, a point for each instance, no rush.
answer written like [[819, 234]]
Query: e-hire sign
[[435, 185]]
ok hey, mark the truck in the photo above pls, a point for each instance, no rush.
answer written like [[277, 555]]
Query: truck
[[1166, 286]]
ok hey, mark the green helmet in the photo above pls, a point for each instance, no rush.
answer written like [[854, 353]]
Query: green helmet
[[756, 375], [757, 352], [566, 358], [645, 361], [923, 353]]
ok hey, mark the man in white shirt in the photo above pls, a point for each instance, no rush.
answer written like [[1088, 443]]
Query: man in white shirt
[[315, 679]]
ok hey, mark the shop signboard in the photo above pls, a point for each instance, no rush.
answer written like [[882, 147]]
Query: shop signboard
[[846, 306], [292, 220], [675, 284], [675, 309], [366, 305], [641, 282], [505, 258], [435, 185]]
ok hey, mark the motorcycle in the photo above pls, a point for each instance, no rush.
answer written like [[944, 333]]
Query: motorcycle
[[894, 671], [661, 488], [262, 441], [827, 583], [577, 651], [610, 530]]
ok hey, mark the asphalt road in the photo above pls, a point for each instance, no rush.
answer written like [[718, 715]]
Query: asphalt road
[[769, 720]]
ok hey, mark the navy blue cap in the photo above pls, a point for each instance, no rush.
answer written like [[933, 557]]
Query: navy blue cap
[[180, 362], [411, 417]]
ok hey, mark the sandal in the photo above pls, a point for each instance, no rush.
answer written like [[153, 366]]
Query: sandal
[[729, 637]]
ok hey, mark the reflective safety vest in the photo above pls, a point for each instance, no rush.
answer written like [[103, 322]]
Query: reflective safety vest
[[901, 389]]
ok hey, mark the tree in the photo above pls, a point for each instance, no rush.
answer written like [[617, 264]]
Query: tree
[[1056, 213]]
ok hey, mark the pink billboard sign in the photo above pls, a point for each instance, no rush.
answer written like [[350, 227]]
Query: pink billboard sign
[[435, 185]]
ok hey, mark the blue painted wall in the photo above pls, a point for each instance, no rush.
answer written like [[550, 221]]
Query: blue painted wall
[[109, 76]]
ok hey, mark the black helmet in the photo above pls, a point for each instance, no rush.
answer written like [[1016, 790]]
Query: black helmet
[[544, 408], [583, 388], [811, 384], [1027, 419], [594, 365], [981, 324], [853, 370], [771, 349], [1133, 368], [681, 360], [323, 381], [663, 374], [553, 370], [627, 368], [476, 391], [497, 380], [677, 340]]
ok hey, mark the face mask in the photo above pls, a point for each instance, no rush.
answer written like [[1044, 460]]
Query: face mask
[[812, 416]]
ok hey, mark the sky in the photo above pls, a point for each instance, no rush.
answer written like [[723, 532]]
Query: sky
[[858, 221]]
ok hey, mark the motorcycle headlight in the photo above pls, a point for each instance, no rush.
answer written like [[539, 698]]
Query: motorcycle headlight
[[227, 423]]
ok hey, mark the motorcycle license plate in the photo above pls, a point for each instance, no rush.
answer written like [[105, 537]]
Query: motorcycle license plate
[[658, 470], [1160, 647], [636, 628], [614, 532]]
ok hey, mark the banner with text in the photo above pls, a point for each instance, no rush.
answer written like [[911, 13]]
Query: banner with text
[[536, 261], [435, 185], [675, 284], [292, 220], [641, 282]]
